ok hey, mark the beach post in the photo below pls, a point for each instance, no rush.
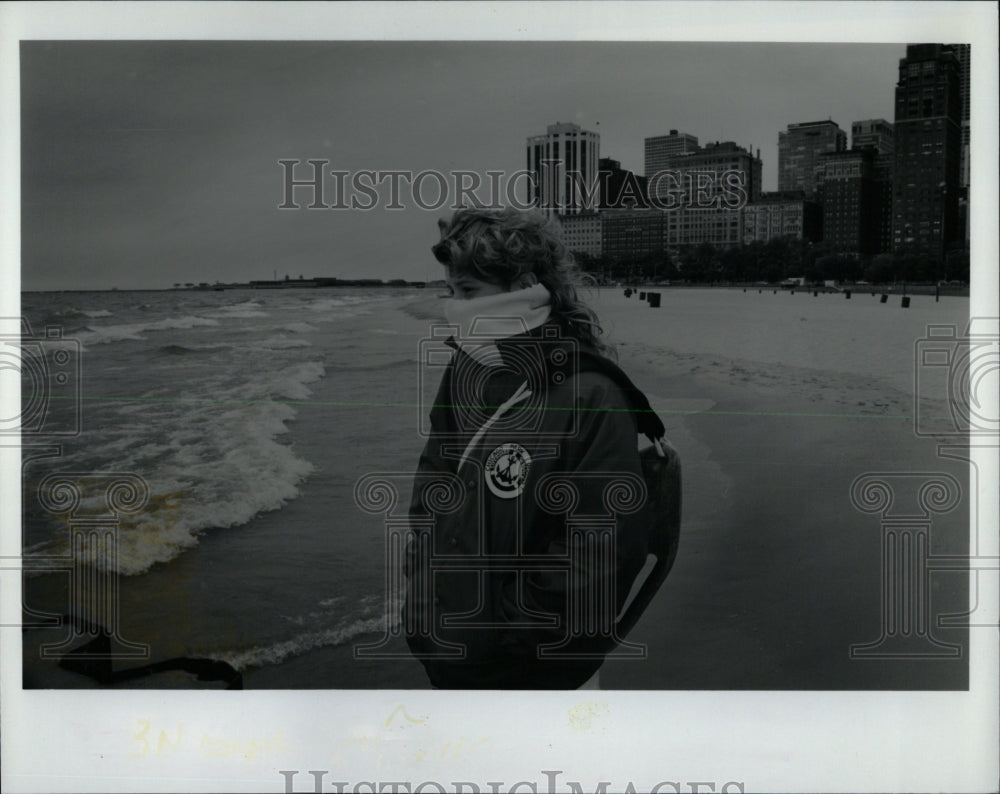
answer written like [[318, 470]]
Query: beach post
[[905, 302]]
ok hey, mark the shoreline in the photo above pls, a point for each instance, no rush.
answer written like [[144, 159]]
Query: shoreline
[[857, 289], [777, 574]]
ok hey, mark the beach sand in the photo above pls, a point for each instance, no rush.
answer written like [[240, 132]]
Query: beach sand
[[778, 574]]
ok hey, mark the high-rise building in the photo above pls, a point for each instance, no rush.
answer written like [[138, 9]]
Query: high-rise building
[[563, 163], [700, 195], [660, 148], [880, 136], [848, 212], [799, 148], [927, 174], [713, 175], [964, 54], [711, 186], [877, 134], [582, 232], [627, 235], [782, 214], [620, 188]]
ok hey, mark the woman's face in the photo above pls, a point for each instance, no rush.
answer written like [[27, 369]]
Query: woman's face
[[466, 287]]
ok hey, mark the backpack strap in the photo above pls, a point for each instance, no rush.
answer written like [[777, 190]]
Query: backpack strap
[[660, 523], [649, 424]]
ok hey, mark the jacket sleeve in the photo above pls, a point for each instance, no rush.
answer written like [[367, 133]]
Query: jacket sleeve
[[601, 457], [417, 610]]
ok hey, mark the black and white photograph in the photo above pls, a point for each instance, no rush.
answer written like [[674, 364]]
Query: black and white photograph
[[627, 370]]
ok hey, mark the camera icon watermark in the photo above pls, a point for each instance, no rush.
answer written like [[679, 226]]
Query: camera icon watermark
[[960, 370], [497, 377], [45, 369]]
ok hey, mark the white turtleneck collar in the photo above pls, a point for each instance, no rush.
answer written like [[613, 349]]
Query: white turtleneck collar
[[481, 321]]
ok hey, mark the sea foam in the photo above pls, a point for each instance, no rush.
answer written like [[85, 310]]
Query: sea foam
[[210, 462]]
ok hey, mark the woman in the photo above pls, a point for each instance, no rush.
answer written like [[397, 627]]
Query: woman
[[529, 510]]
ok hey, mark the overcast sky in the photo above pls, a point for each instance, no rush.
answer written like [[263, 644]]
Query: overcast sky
[[149, 163]]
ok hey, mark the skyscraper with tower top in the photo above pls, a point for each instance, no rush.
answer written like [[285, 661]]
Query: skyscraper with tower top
[[562, 161]]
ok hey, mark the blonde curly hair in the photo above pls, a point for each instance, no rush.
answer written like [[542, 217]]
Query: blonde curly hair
[[500, 245]]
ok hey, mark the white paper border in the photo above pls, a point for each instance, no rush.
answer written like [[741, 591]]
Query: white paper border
[[815, 741]]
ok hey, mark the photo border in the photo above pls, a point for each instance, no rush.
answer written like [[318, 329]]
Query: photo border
[[785, 741]]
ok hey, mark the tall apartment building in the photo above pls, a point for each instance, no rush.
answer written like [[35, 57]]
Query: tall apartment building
[[710, 187], [695, 197], [877, 134], [880, 136], [848, 210], [620, 188], [718, 174], [628, 234], [581, 232], [799, 148], [782, 214], [563, 163], [927, 174], [660, 148], [964, 54]]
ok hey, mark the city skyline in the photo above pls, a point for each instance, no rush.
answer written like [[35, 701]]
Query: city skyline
[[146, 164]]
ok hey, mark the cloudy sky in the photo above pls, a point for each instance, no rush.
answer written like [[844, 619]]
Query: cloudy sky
[[154, 162]]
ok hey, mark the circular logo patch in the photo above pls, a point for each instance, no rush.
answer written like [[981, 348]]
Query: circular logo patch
[[507, 469]]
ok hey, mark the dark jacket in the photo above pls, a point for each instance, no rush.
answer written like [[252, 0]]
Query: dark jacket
[[522, 554]]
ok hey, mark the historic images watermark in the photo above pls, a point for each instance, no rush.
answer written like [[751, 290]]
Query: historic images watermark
[[321, 785], [45, 369], [311, 185], [92, 506], [960, 367], [906, 630], [414, 554], [956, 373], [540, 363]]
